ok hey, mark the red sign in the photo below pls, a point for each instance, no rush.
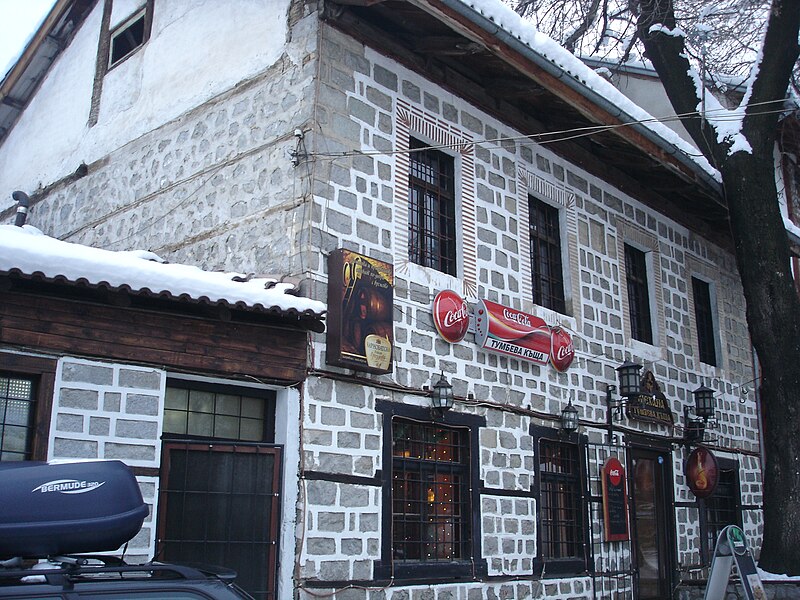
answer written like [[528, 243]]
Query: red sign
[[702, 472], [615, 501], [513, 332], [451, 316]]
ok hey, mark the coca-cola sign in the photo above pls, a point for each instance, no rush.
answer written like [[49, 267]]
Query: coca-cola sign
[[451, 316], [508, 331]]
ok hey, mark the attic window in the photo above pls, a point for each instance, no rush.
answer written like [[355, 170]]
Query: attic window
[[127, 38]]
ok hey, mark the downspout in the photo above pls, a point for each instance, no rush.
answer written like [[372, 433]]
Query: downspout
[[23, 202], [462, 9]]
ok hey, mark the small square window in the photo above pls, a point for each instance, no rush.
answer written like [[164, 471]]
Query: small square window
[[127, 38]]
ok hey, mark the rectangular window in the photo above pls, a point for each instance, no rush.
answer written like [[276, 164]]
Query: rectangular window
[[197, 410], [431, 209], [546, 269], [704, 321], [128, 37], [723, 507], [561, 514], [430, 492], [17, 409], [638, 294]]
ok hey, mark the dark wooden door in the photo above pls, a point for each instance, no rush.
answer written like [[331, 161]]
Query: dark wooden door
[[220, 505]]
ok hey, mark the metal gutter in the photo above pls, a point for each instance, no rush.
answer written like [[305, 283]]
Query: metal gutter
[[551, 68]]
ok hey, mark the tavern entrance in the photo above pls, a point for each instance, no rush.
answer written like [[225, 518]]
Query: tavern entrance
[[652, 522]]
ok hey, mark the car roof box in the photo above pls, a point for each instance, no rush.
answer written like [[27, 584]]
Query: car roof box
[[64, 508]]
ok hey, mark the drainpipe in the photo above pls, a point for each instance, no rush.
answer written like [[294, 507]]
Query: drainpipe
[[23, 202]]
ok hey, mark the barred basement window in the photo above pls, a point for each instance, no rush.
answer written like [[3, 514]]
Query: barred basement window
[[546, 268], [430, 492], [431, 209], [638, 294], [17, 398], [561, 516], [704, 321]]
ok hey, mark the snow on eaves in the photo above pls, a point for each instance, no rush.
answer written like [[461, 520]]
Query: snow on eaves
[[27, 251], [504, 17]]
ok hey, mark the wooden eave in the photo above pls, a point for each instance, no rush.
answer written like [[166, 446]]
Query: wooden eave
[[444, 45]]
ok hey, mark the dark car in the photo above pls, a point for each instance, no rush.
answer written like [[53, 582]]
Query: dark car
[[106, 578], [52, 514]]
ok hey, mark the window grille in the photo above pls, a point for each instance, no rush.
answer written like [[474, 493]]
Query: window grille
[[560, 515], [16, 417], [430, 493], [638, 295], [431, 209], [704, 321], [546, 269], [723, 507]]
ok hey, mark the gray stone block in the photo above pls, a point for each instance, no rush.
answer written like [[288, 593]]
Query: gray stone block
[[84, 399], [149, 380], [87, 373]]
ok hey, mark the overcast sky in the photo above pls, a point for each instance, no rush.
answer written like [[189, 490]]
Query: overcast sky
[[18, 20]]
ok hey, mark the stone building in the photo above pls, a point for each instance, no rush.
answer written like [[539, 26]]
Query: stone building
[[479, 210]]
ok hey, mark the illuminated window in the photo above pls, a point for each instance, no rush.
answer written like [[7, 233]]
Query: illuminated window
[[430, 503]]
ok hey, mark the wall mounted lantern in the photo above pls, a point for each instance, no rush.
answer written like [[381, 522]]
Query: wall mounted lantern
[[694, 427], [629, 388], [441, 396], [569, 418]]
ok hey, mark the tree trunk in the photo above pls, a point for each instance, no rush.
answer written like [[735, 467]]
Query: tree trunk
[[773, 315]]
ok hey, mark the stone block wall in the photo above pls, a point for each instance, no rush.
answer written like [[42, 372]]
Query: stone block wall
[[111, 411]]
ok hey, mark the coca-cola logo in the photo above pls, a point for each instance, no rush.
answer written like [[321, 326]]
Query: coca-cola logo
[[614, 471], [517, 317], [451, 316], [562, 349]]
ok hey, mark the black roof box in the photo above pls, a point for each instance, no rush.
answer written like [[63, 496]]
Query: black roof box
[[64, 508]]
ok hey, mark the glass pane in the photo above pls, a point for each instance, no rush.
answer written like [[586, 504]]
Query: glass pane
[[177, 398], [201, 401], [228, 404], [174, 421], [226, 427], [251, 430], [252, 407], [200, 424]]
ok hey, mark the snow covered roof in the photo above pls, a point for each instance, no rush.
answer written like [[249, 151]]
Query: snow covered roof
[[27, 252]]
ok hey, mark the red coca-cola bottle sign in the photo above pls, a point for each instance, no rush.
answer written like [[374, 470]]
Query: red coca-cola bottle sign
[[451, 316]]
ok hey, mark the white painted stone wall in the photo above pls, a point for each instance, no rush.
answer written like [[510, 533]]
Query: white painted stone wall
[[196, 51]]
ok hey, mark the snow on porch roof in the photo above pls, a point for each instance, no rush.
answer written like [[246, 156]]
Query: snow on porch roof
[[26, 251]]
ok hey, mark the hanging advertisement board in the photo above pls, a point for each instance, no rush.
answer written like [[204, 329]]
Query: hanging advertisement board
[[615, 501], [360, 304]]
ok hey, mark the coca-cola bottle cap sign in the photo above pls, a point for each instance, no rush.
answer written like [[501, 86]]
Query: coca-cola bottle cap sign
[[451, 316]]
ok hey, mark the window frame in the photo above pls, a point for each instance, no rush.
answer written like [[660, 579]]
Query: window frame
[[439, 570], [575, 564], [43, 372], [269, 396], [445, 209], [704, 321], [552, 238], [706, 505], [145, 15], [637, 288]]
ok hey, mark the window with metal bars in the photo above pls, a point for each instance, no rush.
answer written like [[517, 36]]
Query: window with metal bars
[[196, 410], [704, 321], [547, 273], [431, 209], [430, 503], [638, 294], [560, 484], [17, 398], [723, 507]]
